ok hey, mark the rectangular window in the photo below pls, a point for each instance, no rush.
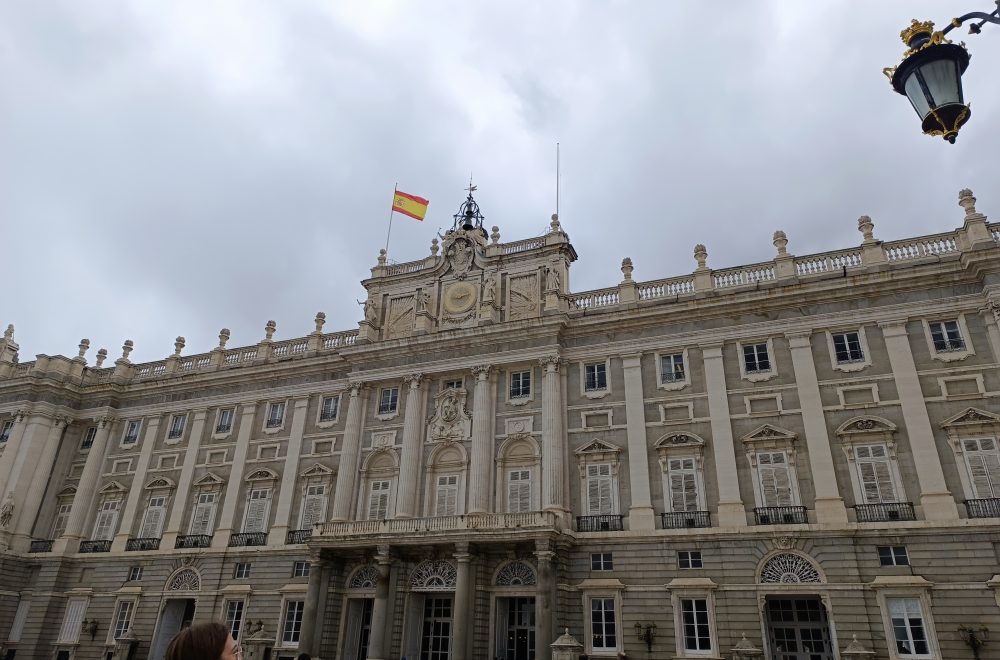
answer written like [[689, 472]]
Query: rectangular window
[[601, 561], [672, 368], [176, 426], [225, 421], [689, 559], [378, 500], [599, 490], [312, 506], [88, 438], [122, 467], [20, 616], [241, 571], [69, 633], [123, 618], [947, 336], [847, 346], [682, 474], [453, 384], [234, 617], [892, 555], [152, 522], [62, 517], [697, 633], [447, 495], [291, 623], [5, 431], [775, 479], [908, 627], [328, 408], [755, 358], [875, 473], [603, 630], [983, 461], [134, 573], [131, 432], [388, 400], [595, 377], [203, 517], [275, 415], [518, 491], [520, 384], [107, 521], [258, 508], [300, 569]]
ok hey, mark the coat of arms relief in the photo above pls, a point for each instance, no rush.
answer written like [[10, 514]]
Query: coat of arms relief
[[451, 422]]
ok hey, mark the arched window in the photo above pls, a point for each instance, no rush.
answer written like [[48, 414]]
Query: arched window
[[788, 568]]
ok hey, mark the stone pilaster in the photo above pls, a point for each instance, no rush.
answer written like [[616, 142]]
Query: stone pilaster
[[379, 641], [545, 600], [731, 511], [24, 520], [350, 454], [84, 499], [13, 445], [311, 632], [935, 498], [25, 455], [227, 521], [289, 475], [553, 469], [136, 492], [411, 461], [181, 497], [482, 442], [464, 614], [829, 504], [640, 515]]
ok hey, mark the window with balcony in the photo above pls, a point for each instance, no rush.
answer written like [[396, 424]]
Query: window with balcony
[[600, 490], [847, 347], [275, 415], [152, 520], [176, 427], [313, 506], [61, 518], [388, 401], [224, 421], [756, 358], [520, 384], [446, 497], [106, 523], [88, 438], [518, 491], [982, 460], [946, 336], [595, 377], [378, 499], [328, 408], [672, 368], [203, 516], [131, 435], [258, 509]]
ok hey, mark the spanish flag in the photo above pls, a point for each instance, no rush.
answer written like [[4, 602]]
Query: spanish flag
[[411, 205]]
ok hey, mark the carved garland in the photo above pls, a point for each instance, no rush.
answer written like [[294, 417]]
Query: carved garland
[[788, 568], [436, 575], [515, 573]]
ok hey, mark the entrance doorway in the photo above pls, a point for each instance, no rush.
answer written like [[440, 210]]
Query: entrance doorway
[[515, 631], [176, 614], [435, 638], [359, 628], [798, 629]]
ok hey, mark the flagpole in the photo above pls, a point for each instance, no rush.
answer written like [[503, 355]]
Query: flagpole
[[557, 179], [395, 189]]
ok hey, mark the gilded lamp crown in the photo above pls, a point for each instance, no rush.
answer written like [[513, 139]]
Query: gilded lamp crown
[[915, 29]]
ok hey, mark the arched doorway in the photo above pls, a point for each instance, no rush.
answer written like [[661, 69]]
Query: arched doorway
[[796, 620]]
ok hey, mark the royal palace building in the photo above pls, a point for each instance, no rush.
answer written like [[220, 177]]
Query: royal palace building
[[795, 460]]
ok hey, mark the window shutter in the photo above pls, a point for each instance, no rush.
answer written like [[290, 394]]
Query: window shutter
[[599, 489], [519, 491], [107, 521], [152, 522], [257, 510], [875, 473], [312, 507], [775, 481], [203, 518], [378, 501], [72, 621], [447, 496], [683, 485], [984, 468], [62, 516]]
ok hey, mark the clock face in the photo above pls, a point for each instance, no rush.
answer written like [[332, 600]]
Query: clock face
[[459, 297]]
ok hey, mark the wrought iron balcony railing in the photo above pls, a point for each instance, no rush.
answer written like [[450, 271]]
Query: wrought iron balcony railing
[[95, 546], [223, 428], [142, 544], [684, 519], [298, 536], [885, 512], [244, 539], [988, 507], [40, 546], [193, 541], [602, 523], [780, 515]]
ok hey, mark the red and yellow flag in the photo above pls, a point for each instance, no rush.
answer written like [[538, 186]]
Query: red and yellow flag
[[411, 205]]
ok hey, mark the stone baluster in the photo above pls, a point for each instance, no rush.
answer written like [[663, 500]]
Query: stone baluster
[[482, 442], [289, 474], [641, 515], [180, 501], [553, 469], [731, 511], [350, 455], [137, 491], [89, 479], [413, 446]]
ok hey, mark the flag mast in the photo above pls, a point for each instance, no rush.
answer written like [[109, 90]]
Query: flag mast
[[392, 209], [557, 179]]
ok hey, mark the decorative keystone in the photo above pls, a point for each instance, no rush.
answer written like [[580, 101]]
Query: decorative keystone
[[127, 348], [223, 337], [320, 320], [381, 257], [269, 330], [967, 201], [434, 247], [8, 334], [627, 268], [700, 255], [554, 226], [780, 241], [84, 346], [495, 235], [102, 355], [179, 346], [866, 227]]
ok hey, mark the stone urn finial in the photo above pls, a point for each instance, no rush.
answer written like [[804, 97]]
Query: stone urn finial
[[8, 334], [320, 320], [967, 201], [495, 235], [223, 337], [780, 241], [179, 346], [866, 227], [627, 268], [84, 346], [269, 329], [381, 257], [127, 348], [554, 226], [700, 255], [434, 247], [102, 355]]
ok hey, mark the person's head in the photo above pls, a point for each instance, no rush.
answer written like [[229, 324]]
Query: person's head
[[303, 656], [204, 641]]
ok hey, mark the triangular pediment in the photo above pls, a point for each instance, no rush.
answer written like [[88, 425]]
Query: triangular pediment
[[68, 490], [263, 474], [768, 432], [598, 446], [159, 483], [866, 424], [681, 439], [113, 487], [971, 416], [316, 470], [210, 479]]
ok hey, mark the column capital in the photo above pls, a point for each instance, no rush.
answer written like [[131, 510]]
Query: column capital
[[106, 421], [893, 327], [61, 421], [355, 387], [992, 307], [482, 371], [547, 556], [414, 380], [550, 363]]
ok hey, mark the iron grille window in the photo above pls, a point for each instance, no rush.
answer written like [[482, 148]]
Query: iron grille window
[[520, 384], [755, 358], [947, 336], [601, 561], [176, 426], [225, 423], [328, 411], [847, 346], [689, 559], [893, 555], [88, 438], [131, 432], [275, 415], [596, 377], [672, 368], [388, 401]]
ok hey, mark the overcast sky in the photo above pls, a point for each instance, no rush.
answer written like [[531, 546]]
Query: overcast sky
[[172, 168]]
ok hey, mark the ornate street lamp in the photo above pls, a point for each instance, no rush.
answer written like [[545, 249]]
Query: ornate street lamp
[[930, 75]]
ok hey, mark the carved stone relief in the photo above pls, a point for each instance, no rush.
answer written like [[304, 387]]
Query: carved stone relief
[[451, 422], [523, 297], [399, 319], [519, 425]]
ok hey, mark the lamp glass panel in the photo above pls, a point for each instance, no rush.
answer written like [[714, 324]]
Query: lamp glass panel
[[941, 78], [916, 95]]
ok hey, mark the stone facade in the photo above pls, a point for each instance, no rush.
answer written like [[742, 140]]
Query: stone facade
[[801, 451]]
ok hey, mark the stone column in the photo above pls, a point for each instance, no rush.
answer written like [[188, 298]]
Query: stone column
[[545, 601], [25, 456], [640, 515], [227, 521], [464, 617], [553, 469], [990, 313], [411, 461], [311, 628], [482, 442], [378, 645], [350, 453], [731, 511], [24, 520], [935, 498], [84, 498], [289, 475], [181, 497], [137, 491], [14, 442], [829, 504]]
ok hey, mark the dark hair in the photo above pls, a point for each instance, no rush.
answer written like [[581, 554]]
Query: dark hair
[[304, 656], [204, 641]]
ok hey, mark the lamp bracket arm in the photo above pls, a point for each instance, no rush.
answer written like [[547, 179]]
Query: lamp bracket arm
[[983, 17]]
